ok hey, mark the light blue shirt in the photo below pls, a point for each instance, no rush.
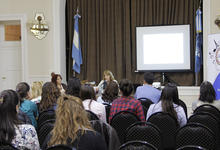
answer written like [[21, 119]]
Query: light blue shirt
[[158, 108], [147, 91], [30, 109]]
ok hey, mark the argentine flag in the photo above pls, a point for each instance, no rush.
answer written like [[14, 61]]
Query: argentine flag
[[76, 49]]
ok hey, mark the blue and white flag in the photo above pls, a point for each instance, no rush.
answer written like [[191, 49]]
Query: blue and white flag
[[76, 49], [199, 41]]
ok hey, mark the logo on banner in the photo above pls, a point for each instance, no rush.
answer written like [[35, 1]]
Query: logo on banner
[[214, 55]]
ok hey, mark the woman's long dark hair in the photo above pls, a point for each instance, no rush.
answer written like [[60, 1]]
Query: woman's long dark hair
[[111, 92], [87, 92], [169, 96], [207, 92], [8, 114], [73, 87]]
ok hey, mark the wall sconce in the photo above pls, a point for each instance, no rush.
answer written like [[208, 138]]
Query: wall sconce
[[217, 21], [39, 28]]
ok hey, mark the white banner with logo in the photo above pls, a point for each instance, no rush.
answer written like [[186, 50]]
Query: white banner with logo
[[213, 62]]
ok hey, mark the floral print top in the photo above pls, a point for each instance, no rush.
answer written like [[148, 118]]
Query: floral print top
[[26, 136]]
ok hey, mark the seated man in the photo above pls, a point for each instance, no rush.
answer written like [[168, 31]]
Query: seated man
[[147, 91]]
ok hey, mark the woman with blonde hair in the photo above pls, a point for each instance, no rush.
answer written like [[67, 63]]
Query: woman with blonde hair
[[107, 77], [72, 127], [36, 90]]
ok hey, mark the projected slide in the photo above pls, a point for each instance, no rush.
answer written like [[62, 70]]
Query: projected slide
[[163, 48]]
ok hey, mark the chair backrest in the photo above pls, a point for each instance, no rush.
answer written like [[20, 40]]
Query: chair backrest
[[121, 121], [208, 120], [137, 145], [208, 108], [191, 147], [195, 134], [7, 147], [44, 116], [167, 125], [108, 132], [144, 131], [182, 104], [145, 103], [44, 131], [92, 115], [45, 122], [60, 147]]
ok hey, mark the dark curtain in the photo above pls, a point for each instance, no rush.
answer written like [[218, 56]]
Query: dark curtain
[[107, 34]]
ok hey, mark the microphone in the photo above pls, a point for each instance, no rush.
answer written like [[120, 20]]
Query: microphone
[[104, 84]]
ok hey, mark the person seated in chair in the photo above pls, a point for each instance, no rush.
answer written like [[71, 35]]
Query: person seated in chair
[[147, 91], [207, 96]]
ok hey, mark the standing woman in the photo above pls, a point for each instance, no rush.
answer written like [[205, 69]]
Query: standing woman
[[107, 77], [27, 106], [168, 103], [57, 80], [11, 130]]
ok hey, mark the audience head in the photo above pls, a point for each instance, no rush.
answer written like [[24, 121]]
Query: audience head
[[169, 96], [207, 92], [56, 78], [108, 76], [36, 89], [149, 77], [73, 87], [50, 94], [111, 92], [87, 92], [9, 105], [23, 90], [126, 87], [70, 117]]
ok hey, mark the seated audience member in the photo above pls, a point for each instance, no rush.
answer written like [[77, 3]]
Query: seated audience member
[[107, 77], [87, 94], [207, 96], [11, 130], [147, 91], [168, 103], [72, 127], [27, 106], [36, 90], [57, 80], [126, 102], [73, 87], [50, 94], [110, 93]]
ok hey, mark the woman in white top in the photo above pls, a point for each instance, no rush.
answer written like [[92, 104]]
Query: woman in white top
[[107, 77], [87, 94], [207, 96], [169, 102], [11, 131]]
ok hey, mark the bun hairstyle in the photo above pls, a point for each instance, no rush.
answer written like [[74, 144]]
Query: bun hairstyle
[[22, 89], [126, 87]]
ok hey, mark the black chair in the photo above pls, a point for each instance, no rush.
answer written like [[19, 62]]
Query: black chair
[[168, 127], [182, 103], [44, 131], [4, 146], [196, 134], [107, 110], [45, 115], [45, 122], [108, 132], [144, 131], [191, 147], [137, 145], [208, 108], [145, 103], [208, 120], [92, 115], [61, 147], [121, 121]]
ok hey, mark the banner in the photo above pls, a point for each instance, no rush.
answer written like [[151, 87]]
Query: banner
[[213, 62]]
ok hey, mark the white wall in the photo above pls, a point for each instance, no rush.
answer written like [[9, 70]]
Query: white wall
[[41, 53]]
